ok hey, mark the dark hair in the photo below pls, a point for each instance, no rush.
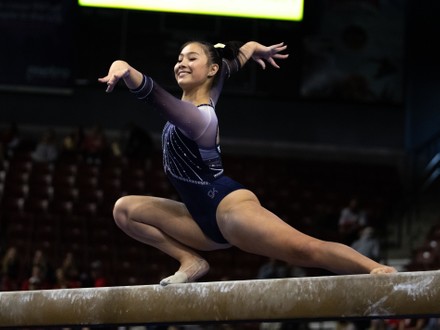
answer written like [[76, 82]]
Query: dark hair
[[215, 55]]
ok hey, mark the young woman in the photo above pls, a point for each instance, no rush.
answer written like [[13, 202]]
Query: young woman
[[216, 212]]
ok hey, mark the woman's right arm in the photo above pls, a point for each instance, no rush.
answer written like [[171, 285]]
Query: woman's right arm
[[189, 118], [122, 70]]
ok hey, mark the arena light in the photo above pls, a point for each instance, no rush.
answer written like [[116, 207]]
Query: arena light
[[290, 10]]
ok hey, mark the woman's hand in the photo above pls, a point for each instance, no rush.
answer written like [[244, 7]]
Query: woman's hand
[[263, 54], [121, 70]]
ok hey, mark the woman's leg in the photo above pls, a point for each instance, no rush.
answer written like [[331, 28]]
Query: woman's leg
[[166, 225], [252, 228]]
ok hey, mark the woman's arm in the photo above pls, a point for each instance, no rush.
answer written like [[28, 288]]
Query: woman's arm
[[261, 54], [189, 118], [252, 49], [122, 70]]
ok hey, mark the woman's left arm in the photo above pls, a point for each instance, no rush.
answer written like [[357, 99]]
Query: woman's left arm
[[262, 54]]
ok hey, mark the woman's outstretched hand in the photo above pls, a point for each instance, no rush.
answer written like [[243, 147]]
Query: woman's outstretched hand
[[263, 54], [121, 70]]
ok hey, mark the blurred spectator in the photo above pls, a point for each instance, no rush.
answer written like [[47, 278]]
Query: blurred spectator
[[295, 271], [272, 269], [10, 270], [46, 149], [367, 244], [352, 219], [139, 143], [405, 324], [69, 267], [7, 285], [36, 281], [72, 143], [96, 278], [62, 282], [346, 325], [433, 324], [9, 140], [94, 145], [45, 269]]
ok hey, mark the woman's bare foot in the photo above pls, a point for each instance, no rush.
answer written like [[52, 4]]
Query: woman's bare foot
[[383, 270], [187, 273]]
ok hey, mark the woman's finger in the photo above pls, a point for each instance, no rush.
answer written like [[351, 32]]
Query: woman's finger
[[273, 63]]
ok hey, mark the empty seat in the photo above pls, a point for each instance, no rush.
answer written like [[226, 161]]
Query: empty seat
[[12, 204], [42, 191], [63, 207]]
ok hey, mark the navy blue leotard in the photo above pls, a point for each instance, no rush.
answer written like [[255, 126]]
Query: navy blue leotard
[[191, 153]]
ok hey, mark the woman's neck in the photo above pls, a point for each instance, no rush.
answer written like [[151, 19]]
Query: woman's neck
[[196, 96]]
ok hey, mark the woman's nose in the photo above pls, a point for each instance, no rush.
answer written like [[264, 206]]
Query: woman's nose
[[183, 62]]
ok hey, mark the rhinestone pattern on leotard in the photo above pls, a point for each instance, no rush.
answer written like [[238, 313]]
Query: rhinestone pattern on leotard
[[183, 159]]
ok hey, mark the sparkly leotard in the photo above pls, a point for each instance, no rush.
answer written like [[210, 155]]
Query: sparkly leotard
[[191, 154]]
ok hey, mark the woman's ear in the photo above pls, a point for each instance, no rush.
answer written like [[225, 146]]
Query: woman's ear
[[213, 70]]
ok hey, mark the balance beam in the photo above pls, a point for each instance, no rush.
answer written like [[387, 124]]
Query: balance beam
[[408, 294]]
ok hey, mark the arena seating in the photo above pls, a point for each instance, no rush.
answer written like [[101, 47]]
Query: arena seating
[[67, 206]]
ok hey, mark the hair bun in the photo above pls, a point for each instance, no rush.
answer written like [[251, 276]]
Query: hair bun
[[228, 50]]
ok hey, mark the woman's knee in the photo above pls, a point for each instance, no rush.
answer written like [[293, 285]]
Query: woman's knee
[[129, 208], [122, 210]]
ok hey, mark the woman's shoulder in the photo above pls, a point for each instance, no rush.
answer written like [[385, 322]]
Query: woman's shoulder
[[205, 105], [209, 104]]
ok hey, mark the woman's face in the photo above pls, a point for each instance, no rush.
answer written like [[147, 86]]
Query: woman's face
[[193, 68]]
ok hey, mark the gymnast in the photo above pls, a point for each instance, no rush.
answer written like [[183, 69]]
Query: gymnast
[[216, 212]]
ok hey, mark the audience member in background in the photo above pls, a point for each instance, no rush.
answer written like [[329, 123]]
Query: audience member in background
[[10, 270], [72, 142], [99, 279], [69, 267], [401, 324], [9, 140], [96, 278], [367, 244], [94, 145], [273, 269], [62, 282], [36, 281], [433, 324], [295, 271], [352, 219], [46, 149], [40, 260], [6, 284], [139, 143]]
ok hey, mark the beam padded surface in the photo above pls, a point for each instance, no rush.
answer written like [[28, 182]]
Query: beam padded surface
[[350, 296]]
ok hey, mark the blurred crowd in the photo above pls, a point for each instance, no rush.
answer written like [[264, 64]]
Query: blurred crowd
[[40, 274], [90, 144]]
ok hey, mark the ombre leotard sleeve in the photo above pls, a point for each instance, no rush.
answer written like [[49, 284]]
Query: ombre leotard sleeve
[[228, 68], [196, 123]]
